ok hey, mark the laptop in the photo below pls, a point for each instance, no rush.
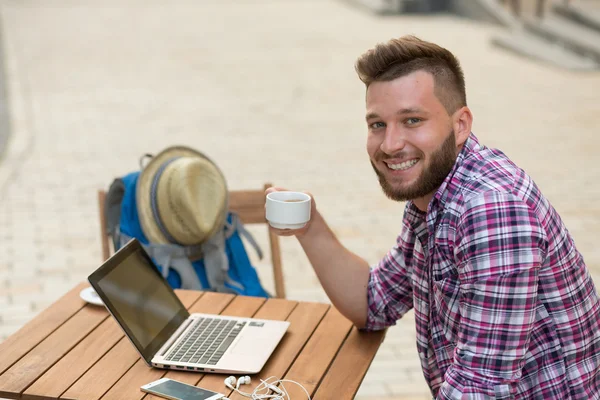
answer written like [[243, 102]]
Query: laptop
[[165, 334]]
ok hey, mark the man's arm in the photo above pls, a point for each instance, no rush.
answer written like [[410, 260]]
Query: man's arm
[[343, 274], [371, 299], [501, 247]]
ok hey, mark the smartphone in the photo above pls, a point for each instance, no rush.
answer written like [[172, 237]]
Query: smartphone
[[170, 389]]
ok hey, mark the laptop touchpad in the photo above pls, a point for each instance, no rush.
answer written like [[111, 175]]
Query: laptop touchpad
[[249, 343]]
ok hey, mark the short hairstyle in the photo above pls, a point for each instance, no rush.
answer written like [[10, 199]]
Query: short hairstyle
[[407, 54]]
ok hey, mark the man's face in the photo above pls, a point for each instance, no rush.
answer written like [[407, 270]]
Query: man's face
[[411, 142]]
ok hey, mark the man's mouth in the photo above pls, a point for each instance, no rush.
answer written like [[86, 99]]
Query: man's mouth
[[403, 165]]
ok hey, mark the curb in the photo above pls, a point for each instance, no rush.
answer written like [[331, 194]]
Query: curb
[[16, 138], [395, 7], [540, 49], [568, 37], [579, 15], [5, 130], [484, 10]]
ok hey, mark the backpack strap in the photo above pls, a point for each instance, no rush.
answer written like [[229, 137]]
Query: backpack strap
[[236, 225], [216, 263]]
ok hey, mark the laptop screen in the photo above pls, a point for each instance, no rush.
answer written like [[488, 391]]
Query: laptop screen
[[139, 298]]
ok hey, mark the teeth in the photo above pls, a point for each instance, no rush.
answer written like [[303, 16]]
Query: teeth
[[404, 165]]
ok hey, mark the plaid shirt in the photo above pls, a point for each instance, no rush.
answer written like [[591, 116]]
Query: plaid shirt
[[504, 305]]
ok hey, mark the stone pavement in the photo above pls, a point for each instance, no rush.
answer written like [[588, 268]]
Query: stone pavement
[[267, 89]]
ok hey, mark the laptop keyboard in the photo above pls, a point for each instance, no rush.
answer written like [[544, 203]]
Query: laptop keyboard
[[206, 341]]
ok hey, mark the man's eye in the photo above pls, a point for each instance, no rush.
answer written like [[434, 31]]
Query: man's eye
[[412, 121], [377, 125]]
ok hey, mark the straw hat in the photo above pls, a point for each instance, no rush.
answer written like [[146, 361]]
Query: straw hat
[[181, 197]]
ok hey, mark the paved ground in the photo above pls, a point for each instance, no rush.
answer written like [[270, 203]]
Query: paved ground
[[266, 88]]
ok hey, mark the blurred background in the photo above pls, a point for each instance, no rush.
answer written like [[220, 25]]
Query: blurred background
[[267, 88]]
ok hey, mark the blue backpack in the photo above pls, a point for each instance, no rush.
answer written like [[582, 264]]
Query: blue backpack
[[184, 267]]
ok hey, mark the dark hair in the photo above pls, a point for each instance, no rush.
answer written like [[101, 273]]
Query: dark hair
[[402, 56]]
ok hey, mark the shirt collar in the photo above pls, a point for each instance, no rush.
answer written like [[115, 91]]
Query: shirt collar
[[413, 216], [446, 188]]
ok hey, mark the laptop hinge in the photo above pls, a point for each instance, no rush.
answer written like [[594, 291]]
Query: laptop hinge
[[175, 336]]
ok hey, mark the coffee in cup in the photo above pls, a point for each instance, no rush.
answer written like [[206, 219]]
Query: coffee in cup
[[288, 210]]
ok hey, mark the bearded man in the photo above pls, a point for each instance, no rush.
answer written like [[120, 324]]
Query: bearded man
[[504, 304]]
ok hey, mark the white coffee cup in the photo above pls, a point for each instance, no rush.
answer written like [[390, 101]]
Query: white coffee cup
[[288, 210]]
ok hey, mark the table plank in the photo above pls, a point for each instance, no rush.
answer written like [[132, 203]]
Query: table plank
[[32, 333], [98, 379], [244, 306], [70, 368], [117, 361], [128, 387], [316, 357], [25, 371], [350, 365], [304, 320]]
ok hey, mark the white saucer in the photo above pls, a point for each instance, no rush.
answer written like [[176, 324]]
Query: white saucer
[[90, 295]]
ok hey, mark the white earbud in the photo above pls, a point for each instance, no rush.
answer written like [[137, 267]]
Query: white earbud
[[244, 380], [230, 382]]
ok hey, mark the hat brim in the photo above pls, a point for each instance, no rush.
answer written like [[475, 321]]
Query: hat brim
[[144, 185]]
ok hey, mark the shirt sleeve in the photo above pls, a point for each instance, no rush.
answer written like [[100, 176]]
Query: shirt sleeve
[[501, 247], [389, 291]]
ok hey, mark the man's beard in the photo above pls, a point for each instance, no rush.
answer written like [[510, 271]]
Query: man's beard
[[441, 163]]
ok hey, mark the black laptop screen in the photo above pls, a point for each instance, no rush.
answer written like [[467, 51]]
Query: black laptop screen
[[139, 298]]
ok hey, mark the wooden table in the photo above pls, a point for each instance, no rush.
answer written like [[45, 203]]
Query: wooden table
[[74, 350]]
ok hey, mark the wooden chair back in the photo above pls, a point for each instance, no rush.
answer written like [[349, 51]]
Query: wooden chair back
[[248, 204]]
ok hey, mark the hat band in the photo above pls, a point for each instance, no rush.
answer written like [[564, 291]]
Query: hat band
[[154, 200]]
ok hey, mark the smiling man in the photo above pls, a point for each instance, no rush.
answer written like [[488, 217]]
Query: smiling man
[[504, 305]]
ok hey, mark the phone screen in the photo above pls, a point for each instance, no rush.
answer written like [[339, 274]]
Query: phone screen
[[181, 391]]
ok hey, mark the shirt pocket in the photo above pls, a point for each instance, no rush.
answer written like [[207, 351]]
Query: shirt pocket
[[446, 294]]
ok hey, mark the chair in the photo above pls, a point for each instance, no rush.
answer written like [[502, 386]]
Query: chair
[[250, 207]]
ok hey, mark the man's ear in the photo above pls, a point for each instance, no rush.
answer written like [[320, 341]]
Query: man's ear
[[462, 123]]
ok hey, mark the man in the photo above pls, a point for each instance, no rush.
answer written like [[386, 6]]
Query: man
[[504, 305]]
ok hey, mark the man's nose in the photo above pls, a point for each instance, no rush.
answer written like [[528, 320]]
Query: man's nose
[[393, 141]]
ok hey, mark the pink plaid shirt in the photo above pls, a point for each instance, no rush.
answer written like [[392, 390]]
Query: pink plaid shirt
[[504, 305]]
